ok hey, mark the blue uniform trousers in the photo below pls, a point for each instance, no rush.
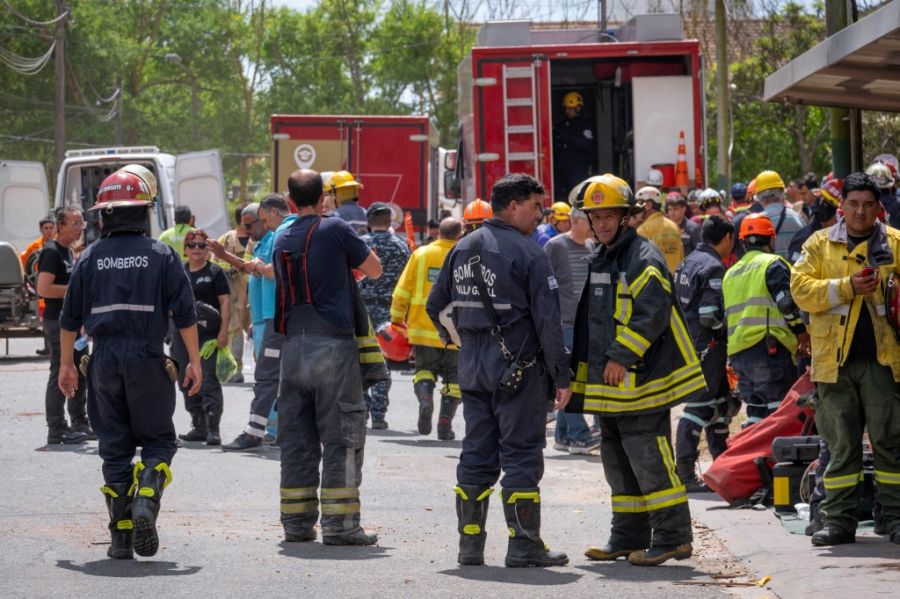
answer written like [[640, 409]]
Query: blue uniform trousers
[[131, 401], [505, 431]]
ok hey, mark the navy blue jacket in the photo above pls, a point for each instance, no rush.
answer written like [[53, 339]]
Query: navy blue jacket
[[698, 287], [126, 285], [520, 281]]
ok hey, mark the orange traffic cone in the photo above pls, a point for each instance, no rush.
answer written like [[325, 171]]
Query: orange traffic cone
[[681, 167]]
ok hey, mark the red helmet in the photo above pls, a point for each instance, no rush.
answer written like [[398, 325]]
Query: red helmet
[[757, 224], [393, 342], [122, 189]]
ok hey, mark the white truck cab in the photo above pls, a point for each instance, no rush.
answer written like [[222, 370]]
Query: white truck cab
[[194, 180]]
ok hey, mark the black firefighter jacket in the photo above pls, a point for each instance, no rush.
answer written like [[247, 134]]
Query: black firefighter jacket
[[628, 313]]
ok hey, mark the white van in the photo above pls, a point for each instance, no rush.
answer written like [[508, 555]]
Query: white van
[[194, 180]]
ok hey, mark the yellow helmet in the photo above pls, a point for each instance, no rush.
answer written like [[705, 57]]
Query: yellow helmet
[[768, 180], [605, 191], [560, 210], [341, 180], [573, 100]]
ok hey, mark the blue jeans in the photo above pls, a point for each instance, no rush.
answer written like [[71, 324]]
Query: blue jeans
[[570, 427]]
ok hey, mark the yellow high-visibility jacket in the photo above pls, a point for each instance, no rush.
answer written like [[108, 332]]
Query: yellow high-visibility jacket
[[665, 235], [820, 285], [411, 293]]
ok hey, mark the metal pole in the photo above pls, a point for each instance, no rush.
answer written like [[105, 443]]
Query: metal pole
[[603, 23], [836, 18], [59, 64], [723, 106]]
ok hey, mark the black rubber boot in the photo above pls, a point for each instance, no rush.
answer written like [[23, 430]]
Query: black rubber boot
[[445, 418], [687, 472], [198, 427], [118, 503], [81, 425], [150, 480], [212, 428], [833, 535], [424, 391], [522, 508], [471, 512]]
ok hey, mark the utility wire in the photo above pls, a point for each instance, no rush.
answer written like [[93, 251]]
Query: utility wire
[[24, 65]]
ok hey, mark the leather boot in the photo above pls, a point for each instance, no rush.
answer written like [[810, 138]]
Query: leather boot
[[198, 427], [212, 428], [150, 479], [657, 554], [118, 503], [522, 508], [687, 472], [833, 535], [445, 418], [471, 512], [424, 391]]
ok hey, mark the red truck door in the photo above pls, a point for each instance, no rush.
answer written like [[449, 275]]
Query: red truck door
[[512, 110]]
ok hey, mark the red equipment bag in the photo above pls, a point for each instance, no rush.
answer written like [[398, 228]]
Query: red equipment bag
[[734, 474]]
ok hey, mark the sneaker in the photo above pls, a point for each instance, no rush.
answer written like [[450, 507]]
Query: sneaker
[[561, 446], [243, 442], [81, 426], [583, 447], [379, 423], [42, 352], [270, 440], [237, 378], [65, 437]]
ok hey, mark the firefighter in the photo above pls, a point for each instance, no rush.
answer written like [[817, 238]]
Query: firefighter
[[765, 330], [786, 222], [433, 357], [500, 291], [573, 145], [122, 291], [676, 210], [709, 203], [321, 412], [698, 286], [557, 221], [633, 361], [476, 212], [823, 214], [376, 293], [664, 233], [344, 191], [739, 200], [840, 280]]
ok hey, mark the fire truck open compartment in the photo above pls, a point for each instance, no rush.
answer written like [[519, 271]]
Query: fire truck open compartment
[[607, 87]]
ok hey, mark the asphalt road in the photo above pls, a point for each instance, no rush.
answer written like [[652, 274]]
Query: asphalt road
[[220, 534]]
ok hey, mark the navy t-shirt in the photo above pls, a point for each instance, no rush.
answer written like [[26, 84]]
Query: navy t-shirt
[[334, 250]]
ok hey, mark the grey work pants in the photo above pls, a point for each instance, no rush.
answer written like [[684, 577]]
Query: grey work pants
[[266, 374]]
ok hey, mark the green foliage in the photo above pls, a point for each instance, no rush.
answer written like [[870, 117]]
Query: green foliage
[[787, 138], [208, 73]]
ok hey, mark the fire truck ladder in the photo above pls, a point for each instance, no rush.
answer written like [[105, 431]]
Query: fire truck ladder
[[520, 129]]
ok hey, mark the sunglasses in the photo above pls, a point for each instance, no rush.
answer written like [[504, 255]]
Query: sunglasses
[[201, 245]]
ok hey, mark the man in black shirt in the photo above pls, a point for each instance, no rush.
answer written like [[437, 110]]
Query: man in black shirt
[[54, 268]]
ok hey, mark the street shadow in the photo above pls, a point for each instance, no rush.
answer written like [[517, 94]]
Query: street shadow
[[12, 360], [864, 547], [317, 551], [121, 568], [389, 433], [525, 576], [624, 571], [568, 457], [425, 443], [266, 453], [87, 448]]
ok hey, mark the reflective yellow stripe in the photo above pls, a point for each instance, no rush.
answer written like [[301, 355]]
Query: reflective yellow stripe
[[644, 278], [461, 493], [665, 451], [683, 338], [298, 493], [370, 358], [299, 508], [452, 390], [534, 496], [623, 300], [629, 504], [471, 529], [334, 509], [658, 500], [108, 491], [485, 494], [365, 342], [423, 375], [843, 482], [399, 292], [633, 341], [603, 398], [340, 493], [124, 525], [886, 478], [146, 492], [423, 333]]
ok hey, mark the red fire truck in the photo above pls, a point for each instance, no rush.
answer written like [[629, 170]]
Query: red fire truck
[[642, 86], [392, 156]]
